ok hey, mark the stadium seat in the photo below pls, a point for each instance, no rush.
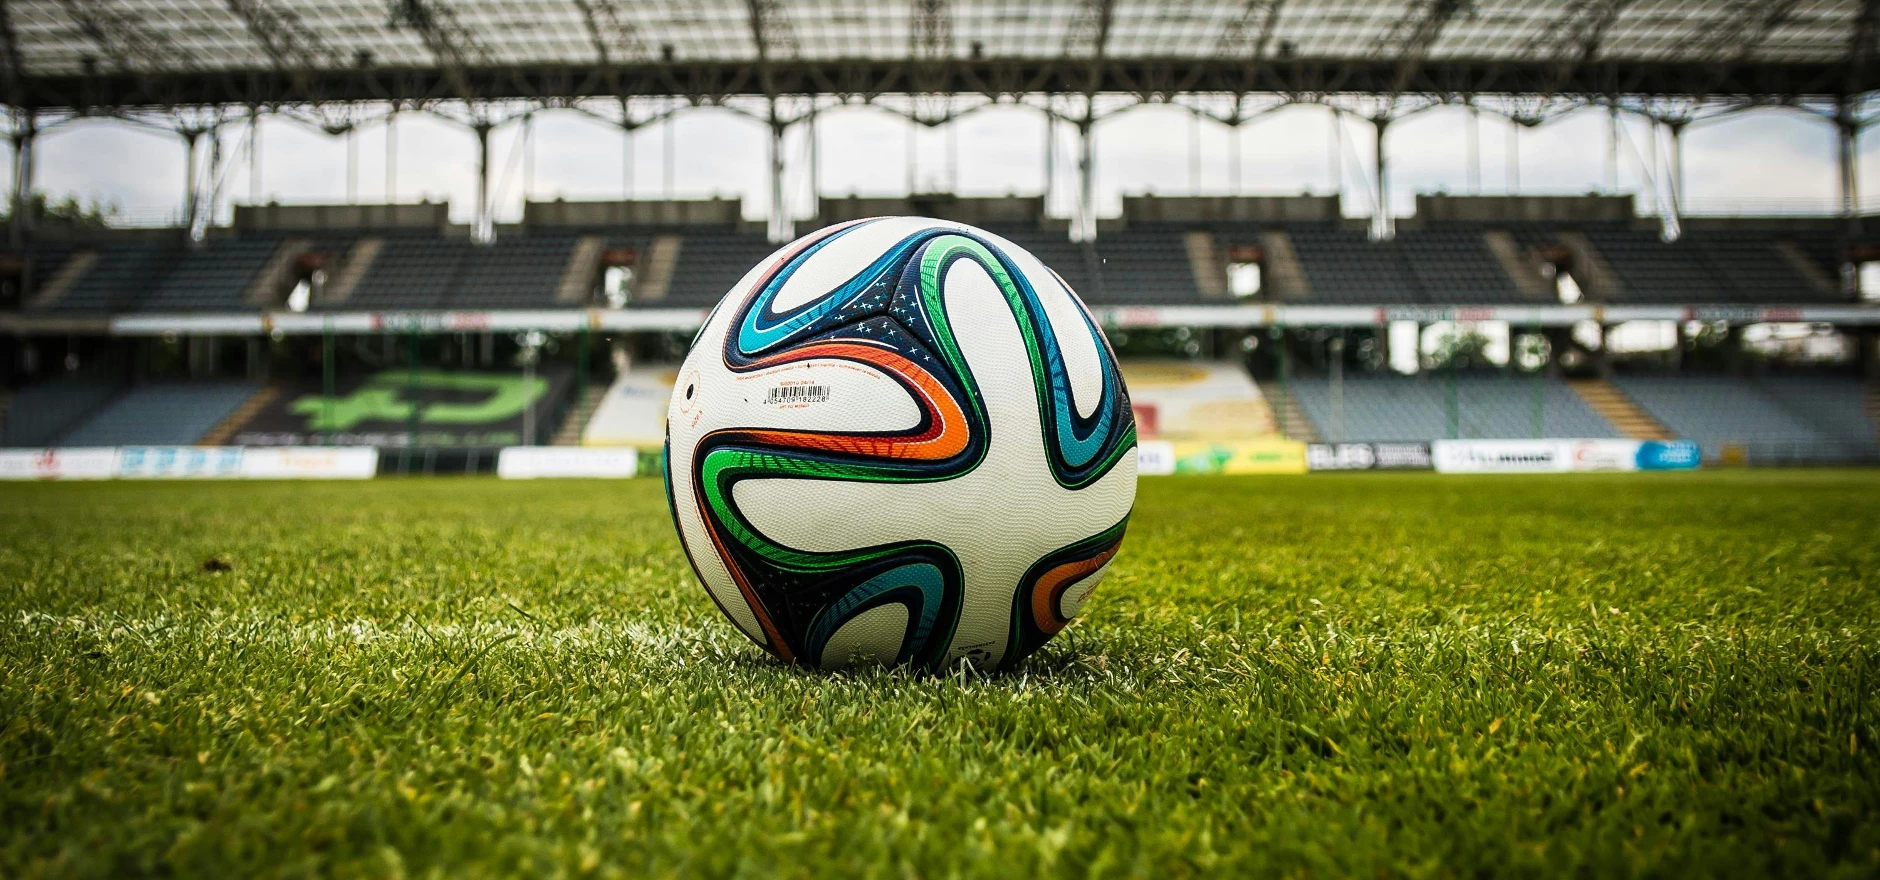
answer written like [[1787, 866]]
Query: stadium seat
[[39, 415], [170, 413], [1402, 408], [1814, 418]]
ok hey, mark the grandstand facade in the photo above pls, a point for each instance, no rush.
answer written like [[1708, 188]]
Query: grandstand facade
[[392, 325]]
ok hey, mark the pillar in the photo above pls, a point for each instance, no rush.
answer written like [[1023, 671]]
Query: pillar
[[483, 229], [21, 222], [1612, 149], [780, 225], [1847, 163], [191, 192], [1382, 229], [1674, 213], [1050, 154], [1086, 181]]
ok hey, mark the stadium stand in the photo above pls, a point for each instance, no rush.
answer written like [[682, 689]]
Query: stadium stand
[[410, 272], [161, 414], [1410, 409], [1717, 412], [514, 273], [212, 278], [1343, 266], [1147, 266], [1835, 405], [39, 415], [118, 280], [710, 262], [1453, 264]]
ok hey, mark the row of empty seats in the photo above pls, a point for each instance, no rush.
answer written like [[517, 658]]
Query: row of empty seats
[[1813, 417], [1404, 408], [1799, 417], [86, 412], [1430, 263]]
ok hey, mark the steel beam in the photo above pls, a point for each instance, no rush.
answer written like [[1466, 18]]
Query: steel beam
[[705, 82]]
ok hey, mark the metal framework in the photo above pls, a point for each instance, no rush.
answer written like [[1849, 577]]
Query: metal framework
[[183, 61]]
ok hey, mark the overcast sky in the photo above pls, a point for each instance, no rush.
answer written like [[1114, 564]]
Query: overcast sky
[[1749, 162]]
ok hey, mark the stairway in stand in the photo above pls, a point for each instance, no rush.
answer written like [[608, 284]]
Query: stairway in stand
[[225, 429], [1618, 410], [1287, 413], [569, 434]]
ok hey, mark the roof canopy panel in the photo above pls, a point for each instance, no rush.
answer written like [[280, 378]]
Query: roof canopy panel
[[63, 44]]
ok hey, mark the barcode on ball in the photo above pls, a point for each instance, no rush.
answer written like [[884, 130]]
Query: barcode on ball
[[789, 394]]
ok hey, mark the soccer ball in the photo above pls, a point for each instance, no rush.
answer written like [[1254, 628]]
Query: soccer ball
[[904, 441]]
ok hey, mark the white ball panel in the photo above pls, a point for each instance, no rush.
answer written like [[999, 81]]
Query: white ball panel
[[1082, 361], [843, 257], [873, 636], [1078, 593]]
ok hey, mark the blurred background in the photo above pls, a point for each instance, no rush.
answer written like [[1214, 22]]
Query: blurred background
[[1321, 234]]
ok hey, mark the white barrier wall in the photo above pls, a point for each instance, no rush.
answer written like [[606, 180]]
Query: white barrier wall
[[190, 463], [634, 411], [532, 462], [1561, 456]]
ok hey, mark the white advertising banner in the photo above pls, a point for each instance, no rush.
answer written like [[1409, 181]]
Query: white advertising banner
[[633, 413], [189, 463], [78, 463], [1155, 458], [309, 462], [532, 462], [179, 462], [1550, 456]]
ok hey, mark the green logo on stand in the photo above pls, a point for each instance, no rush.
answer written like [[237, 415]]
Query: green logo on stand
[[383, 399]]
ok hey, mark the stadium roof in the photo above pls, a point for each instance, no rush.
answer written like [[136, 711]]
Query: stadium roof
[[102, 54]]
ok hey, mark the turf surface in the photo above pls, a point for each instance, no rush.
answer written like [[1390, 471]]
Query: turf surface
[[1363, 674]]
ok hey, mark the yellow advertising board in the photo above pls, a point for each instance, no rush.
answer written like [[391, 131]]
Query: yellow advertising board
[[1272, 456]]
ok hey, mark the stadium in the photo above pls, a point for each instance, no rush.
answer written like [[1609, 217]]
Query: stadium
[[335, 539]]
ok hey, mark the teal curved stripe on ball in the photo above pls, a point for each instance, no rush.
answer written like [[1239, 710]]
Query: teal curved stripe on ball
[[922, 576], [1049, 372], [755, 335]]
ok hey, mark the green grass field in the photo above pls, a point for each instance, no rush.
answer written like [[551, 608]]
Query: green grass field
[[1362, 675]]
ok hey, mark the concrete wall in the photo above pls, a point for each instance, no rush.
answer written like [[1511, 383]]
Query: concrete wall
[[675, 212], [1009, 211], [310, 218], [1530, 209], [1229, 209]]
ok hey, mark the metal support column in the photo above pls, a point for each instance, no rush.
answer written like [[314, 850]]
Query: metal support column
[[1086, 228], [483, 229], [671, 147], [1847, 163], [1847, 143], [25, 134], [1475, 150], [411, 394], [815, 169], [1674, 218], [1194, 154], [1513, 161], [191, 191], [1382, 229], [1612, 150], [328, 396], [254, 155], [352, 165], [391, 158], [1050, 156], [1337, 350], [780, 225]]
